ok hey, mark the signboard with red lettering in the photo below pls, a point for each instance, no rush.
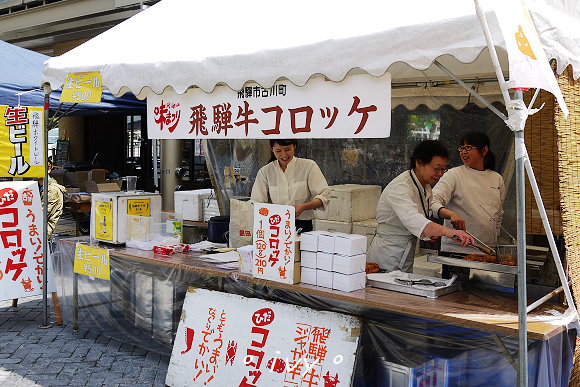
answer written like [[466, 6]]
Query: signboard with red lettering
[[226, 340], [21, 238], [357, 107], [21, 141], [274, 234]]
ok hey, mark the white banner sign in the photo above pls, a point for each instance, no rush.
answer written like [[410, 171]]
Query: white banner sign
[[21, 236], [358, 107], [228, 340], [274, 249]]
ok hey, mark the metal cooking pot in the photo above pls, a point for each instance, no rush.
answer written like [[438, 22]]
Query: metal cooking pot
[[218, 228]]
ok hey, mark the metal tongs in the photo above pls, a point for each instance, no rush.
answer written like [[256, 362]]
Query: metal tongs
[[478, 244], [422, 281]]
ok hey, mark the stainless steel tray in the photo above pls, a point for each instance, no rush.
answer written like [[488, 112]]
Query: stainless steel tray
[[418, 290], [473, 264]]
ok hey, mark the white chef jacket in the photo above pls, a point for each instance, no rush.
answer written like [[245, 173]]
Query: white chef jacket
[[402, 215], [462, 190], [301, 183]]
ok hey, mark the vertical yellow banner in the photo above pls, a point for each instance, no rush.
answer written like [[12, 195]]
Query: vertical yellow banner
[[21, 141], [104, 220], [92, 261]]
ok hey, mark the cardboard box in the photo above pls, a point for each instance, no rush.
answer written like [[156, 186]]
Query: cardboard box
[[332, 226], [349, 264], [350, 244], [297, 273], [366, 228], [349, 282], [92, 187], [351, 203], [73, 190], [308, 259], [326, 243], [246, 259], [324, 278], [97, 175], [308, 275], [309, 240], [324, 261]]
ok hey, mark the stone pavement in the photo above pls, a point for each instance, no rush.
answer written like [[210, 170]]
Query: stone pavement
[[57, 356]]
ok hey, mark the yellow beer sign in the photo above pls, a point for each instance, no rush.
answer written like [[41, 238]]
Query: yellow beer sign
[[21, 141], [92, 261], [82, 87], [104, 220], [139, 207]]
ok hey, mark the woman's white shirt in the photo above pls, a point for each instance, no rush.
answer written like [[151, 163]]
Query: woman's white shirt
[[301, 183], [465, 191]]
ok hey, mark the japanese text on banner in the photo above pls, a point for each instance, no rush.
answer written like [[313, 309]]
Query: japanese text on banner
[[82, 87], [358, 107], [21, 141], [92, 261]]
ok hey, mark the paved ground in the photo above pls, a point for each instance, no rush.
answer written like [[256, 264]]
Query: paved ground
[[55, 356], [33, 356]]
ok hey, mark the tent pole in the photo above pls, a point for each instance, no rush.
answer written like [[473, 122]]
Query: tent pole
[[521, 253], [45, 211]]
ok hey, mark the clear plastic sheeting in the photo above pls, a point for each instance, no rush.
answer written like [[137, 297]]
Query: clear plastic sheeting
[[141, 305], [374, 161]]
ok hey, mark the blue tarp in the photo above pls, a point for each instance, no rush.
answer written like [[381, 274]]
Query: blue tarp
[[21, 71]]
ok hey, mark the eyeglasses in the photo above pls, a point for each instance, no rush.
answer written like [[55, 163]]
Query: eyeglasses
[[466, 148], [439, 169]]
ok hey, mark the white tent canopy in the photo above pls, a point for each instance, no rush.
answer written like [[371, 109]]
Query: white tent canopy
[[185, 43]]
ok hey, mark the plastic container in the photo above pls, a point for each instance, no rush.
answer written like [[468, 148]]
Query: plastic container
[[218, 229]]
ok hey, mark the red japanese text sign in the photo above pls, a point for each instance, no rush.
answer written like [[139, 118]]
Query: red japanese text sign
[[274, 249], [21, 141], [357, 107], [21, 239], [228, 340]]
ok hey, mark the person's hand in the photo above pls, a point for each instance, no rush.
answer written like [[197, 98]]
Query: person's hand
[[299, 208], [460, 236], [457, 222], [433, 239]]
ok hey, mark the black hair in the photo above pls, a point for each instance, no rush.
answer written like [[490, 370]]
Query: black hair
[[480, 140], [426, 150], [283, 142]]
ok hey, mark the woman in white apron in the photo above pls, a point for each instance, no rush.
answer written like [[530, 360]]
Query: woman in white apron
[[292, 181], [403, 210]]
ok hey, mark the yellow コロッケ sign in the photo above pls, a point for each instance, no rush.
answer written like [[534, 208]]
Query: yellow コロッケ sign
[[21, 141], [82, 87], [92, 261]]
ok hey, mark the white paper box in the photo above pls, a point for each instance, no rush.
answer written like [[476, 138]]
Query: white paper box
[[308, 259], [324, 278], [246, 259], [351, 203], [309, 240], [332, 226], [324, 261], [190, 203], [349, 282], [366, 228], [308, 275], [326, 243], [350, 244], [349, 264]]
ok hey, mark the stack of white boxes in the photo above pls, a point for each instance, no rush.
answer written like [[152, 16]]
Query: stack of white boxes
[[352, 210], [333, 260]]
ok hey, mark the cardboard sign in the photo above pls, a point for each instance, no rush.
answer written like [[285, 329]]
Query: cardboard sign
[[21, 141], [274, 249], [357, 107], [92, 261], [226, 340], [82, 87], [21, 240]]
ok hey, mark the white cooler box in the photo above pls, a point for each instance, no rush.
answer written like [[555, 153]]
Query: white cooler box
[[351, 203], [190, 203], [109, 213]]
